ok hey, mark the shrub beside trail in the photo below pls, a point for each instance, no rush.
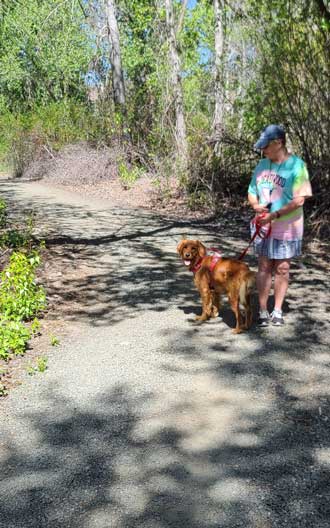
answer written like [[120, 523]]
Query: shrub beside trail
[[21, 298]]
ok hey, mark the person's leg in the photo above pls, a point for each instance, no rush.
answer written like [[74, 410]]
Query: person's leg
[[281, 270], [264, 280]]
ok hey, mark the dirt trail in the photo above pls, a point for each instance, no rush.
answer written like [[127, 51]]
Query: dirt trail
[[144, 420]]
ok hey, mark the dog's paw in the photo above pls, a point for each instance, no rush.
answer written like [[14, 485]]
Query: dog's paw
[[215, 312], [200, 318]]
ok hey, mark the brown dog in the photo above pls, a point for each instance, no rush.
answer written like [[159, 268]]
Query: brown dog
[[216, 275]]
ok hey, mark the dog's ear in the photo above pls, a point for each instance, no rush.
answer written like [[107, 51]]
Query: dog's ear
[[201, 249], [180, 246]]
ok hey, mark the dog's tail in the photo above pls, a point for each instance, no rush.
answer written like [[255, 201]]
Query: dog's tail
[[247, 286]]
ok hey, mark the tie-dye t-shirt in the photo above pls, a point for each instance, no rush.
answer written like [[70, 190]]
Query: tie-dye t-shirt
[[277, 184]]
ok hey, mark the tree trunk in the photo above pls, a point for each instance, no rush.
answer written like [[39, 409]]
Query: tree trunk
[[175, 65], [115, 56], [219, 88]]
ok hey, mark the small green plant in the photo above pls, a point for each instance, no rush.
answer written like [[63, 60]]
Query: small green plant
[[3, 390], [197, 200], [54, 341], [20, 297], [3, 213], [128, 176], [35, 326], [41, 366], [14, 336], [30, 222]]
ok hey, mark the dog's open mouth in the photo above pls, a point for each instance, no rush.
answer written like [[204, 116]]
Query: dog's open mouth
[[187, 262]]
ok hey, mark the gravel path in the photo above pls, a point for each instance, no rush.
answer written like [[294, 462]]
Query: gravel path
[[144, 420]]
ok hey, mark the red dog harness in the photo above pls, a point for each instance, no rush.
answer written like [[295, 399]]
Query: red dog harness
[[215, 258]]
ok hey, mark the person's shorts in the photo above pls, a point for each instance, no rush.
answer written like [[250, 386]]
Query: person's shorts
[[277, 249]]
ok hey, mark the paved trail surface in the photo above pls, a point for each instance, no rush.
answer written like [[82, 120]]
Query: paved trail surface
[[144, 420]]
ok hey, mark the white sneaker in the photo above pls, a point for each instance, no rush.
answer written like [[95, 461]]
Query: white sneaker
[[277, 318], [264, 318]]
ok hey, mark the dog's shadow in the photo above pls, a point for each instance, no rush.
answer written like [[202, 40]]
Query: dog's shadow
[[226, 315]]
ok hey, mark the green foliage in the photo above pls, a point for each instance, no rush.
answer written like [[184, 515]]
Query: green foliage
[[54, 341], [3, 390], [44, 52], [42, 363], [198, 200], [65, 121], [20, 297], [25, 137], [18, 237], [41, 366], [12, 238], [35, 326], [3, 213], [128, 175], [14, 336]]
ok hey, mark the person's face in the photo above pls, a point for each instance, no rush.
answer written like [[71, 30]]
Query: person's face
[[272, 149]]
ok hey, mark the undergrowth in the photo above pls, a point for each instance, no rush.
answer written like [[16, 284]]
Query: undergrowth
[[22, 299]]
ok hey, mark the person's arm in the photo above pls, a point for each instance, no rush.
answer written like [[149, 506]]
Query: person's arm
[[253, 198], [288, 208], [254, 202]]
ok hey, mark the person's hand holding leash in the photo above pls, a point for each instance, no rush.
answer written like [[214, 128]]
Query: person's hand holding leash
[[264, 219], [258, 208]]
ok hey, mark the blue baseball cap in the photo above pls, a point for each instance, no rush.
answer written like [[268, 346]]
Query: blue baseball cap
[[269, 133]]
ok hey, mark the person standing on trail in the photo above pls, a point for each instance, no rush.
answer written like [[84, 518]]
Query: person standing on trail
[[277, 191]]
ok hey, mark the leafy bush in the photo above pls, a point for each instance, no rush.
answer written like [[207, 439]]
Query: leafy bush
[[14, 336], [20, 297], [19, 237], [24, 149], [64, 122], [12, 238], [128, 176]]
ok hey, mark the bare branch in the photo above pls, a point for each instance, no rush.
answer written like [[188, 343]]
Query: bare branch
[[181, 19]]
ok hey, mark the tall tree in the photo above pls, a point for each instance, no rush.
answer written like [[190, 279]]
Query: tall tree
[[175, 68], [219, 85], [115, 56]]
